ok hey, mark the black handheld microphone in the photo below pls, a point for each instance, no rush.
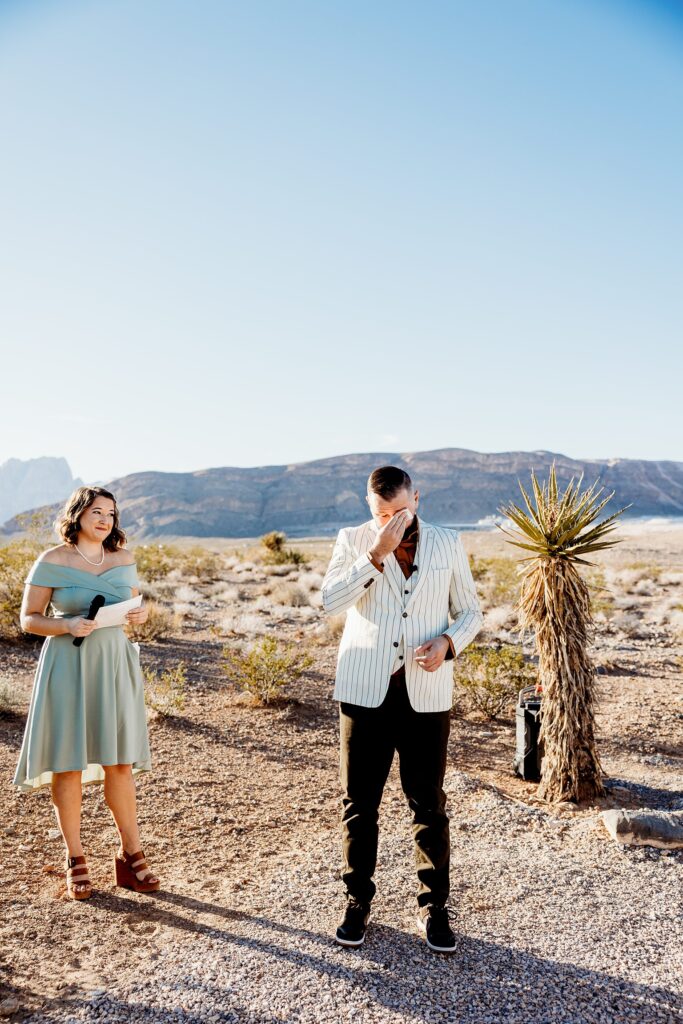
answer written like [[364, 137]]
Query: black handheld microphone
[[95, 605]]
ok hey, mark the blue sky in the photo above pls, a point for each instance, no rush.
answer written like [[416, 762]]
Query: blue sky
[[250, 233]]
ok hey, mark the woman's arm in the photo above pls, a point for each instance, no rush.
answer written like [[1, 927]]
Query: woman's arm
[[34, 620]]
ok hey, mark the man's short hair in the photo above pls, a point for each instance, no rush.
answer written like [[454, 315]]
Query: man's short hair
[[387, 481]]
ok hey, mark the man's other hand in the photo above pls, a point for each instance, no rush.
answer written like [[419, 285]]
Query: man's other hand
[[430, 656]]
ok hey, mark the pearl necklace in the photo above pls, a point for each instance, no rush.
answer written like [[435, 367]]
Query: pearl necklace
[[88, 560]]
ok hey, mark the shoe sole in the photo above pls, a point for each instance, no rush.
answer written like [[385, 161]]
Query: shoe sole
[[436, 949], [349, 942]]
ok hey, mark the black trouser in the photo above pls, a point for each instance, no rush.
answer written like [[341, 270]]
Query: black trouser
[[368, 739]]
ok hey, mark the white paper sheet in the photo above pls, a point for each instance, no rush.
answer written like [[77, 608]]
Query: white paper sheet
[[115, 614]]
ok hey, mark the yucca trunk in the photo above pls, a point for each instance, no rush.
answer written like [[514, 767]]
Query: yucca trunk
[[555, 603]]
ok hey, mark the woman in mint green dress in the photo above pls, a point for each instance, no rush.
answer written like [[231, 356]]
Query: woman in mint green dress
[[87, 722]]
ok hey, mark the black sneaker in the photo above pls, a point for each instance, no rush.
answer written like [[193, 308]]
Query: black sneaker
[[433, 921], [351, 931]]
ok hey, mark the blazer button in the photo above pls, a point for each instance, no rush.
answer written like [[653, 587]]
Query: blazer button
[[395, 643], [405, 615]]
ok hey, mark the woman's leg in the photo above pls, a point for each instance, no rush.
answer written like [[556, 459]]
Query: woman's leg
[[66, 799], [119, 792]]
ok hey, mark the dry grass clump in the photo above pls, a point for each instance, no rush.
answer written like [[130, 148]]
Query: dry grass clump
[[243, 624], [187, 593], [160, 624], [311, 580], [500, 619], [265, 669], [330, 629], [165, 691], [289, 594], [245, 567], [229, 594], [9, 701], [631, 625], [675, 623], [279, 570]]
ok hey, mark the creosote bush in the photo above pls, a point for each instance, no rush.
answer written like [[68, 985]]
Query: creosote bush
[[15, 561], [160, 624], [155, 561], [165, 691], [491, 677], [265, 669]]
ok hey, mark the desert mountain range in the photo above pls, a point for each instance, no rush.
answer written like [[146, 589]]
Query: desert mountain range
[[318, 497]]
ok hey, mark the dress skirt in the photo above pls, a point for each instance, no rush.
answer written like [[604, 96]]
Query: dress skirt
[[87, 710]]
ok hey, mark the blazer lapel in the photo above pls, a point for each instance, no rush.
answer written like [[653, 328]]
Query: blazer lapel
[[394, 575], [423, 558]]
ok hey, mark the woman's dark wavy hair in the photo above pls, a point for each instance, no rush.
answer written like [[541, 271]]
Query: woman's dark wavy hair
[[68, 525]]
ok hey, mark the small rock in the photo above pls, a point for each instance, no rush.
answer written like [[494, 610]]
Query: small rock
[[9, 1006], [53, 833], [661, 829]]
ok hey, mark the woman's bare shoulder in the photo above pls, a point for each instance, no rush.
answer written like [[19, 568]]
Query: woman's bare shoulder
[[58, 555], [124, 557]]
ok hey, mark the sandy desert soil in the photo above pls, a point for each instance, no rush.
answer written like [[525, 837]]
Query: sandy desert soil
[[240, 818]]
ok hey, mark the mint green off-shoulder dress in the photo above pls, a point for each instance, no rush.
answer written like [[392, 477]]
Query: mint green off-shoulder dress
[[88, 705]]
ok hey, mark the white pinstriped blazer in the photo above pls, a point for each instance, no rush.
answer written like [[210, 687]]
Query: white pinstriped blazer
[[442, 599]]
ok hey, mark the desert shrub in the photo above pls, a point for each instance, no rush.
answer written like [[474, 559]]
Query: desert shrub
[[277, 553], [8, 698], [497, 578], [287, 569], [200, 562], [602, 598], [160, 624], [500, 618], [265, 669], [165, 691], [15, 561], [229, 594], [312, 581], [491, 677], [155, 561], [244, 624], [631, 625], [289, 594], [647, 570], [331, 629]]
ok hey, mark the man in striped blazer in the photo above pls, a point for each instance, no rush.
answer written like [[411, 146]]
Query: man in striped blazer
[[411, 607]]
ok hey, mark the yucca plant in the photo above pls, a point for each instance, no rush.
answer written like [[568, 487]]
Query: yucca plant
[[555, 602]]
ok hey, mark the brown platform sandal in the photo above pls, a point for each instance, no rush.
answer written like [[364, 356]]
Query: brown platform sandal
[[77, 876], [129, 866]]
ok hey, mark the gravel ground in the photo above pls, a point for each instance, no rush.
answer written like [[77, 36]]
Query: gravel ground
[[555, 924]]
